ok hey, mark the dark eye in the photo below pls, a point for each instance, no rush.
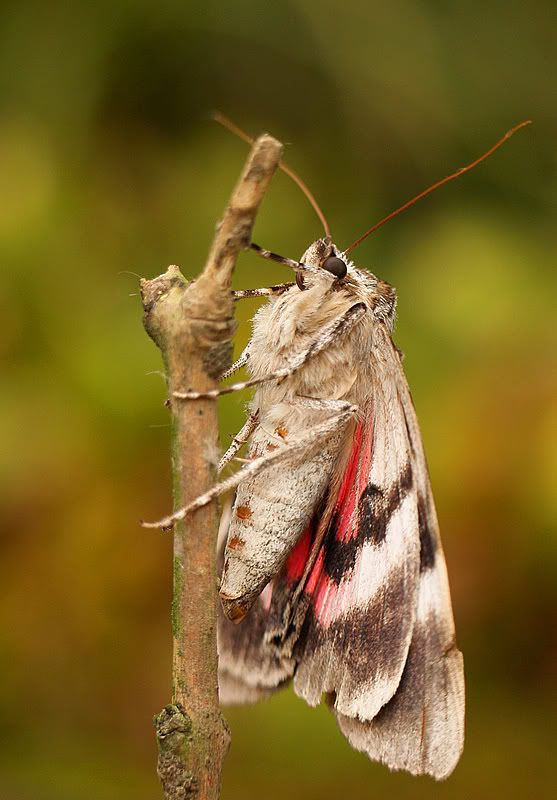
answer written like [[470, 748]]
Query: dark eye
[[335, 266]]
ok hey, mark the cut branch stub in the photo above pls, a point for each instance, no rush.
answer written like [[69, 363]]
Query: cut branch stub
[[186, 317]]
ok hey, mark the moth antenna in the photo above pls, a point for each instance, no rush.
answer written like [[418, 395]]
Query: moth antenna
[[440, 183], [233, 128], [129, 272]]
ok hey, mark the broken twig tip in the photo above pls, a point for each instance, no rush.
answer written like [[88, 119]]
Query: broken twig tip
[[162, 524], [166, 524]]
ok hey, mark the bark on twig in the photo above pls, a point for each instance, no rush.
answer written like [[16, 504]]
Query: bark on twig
[[193, 324]]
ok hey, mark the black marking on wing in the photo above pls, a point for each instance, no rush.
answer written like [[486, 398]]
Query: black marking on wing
[[375, 509], [421, 729], [368, 634], [408, 431], [374, 513], [428, 539]]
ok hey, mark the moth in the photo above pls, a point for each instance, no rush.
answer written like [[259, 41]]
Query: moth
[[333, 564], [332, 570]]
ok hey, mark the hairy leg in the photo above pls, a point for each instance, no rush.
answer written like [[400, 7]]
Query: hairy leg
[[241, 362], [286, 262], [257, 465], [241, 438], [269, 291]]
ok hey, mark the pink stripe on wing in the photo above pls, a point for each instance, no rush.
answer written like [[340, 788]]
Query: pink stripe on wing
[[332, 599], [297, 559], [266, 596], [355, 480]]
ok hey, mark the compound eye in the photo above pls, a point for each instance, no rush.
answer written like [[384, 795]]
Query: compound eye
[[335, 266]]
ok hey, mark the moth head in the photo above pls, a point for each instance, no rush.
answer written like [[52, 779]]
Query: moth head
[[322, 255], [336, 272]]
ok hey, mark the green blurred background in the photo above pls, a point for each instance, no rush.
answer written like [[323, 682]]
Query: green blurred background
[[108, 163]]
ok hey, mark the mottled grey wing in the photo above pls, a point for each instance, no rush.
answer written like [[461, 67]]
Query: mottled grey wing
[[373, 619], [341, 614], [249, 670], [421, 729], [357, 632]]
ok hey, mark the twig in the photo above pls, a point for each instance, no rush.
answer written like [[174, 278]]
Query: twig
[[193, 325]]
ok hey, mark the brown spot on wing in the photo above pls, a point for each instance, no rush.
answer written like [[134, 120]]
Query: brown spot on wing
[[243, 512], [235, 543]]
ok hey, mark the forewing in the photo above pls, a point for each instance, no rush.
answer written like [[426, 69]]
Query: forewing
[[342, 610], [363, 586], [422, 728]]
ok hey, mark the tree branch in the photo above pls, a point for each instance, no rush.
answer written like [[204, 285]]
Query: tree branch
[[193, 325]]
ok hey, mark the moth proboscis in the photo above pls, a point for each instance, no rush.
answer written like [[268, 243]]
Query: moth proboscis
[[332, 571]]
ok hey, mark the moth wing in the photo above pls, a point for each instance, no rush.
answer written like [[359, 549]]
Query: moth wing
[[363, 586], [249, 670], [341, 612], [421, 729], [234, 691], [364, 613]]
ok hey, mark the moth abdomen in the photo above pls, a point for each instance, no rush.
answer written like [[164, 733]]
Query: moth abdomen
[[269, 515]]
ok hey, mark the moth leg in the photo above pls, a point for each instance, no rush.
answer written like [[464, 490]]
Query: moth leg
[[320, 404], [257, 465], [270, 291], [241, 438], [242, 361], [286, 262], [329, 333]]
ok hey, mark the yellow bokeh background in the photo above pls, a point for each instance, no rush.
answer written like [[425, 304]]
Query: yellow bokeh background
[[110, 166]]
